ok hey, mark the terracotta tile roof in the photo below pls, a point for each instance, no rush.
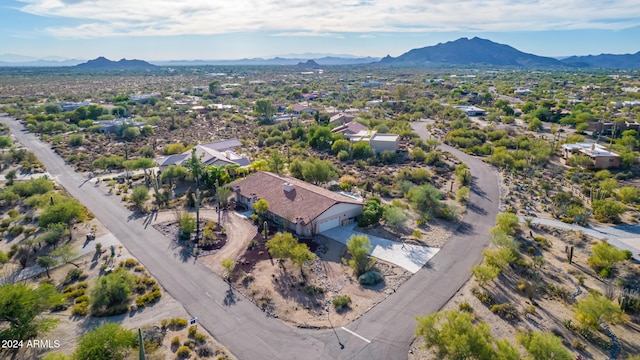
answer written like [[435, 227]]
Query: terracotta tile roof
[[304, 200]]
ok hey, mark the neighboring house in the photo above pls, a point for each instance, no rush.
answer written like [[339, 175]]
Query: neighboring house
[[349, 129], [601, 157], [471, 110], [378, 142], [611, 128], [70, 106], [295, 205], [342, 118], [301, 108], [144, 98], [219, 153], [111, 126]]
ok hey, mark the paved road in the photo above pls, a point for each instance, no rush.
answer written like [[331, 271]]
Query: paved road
[[385, 332]]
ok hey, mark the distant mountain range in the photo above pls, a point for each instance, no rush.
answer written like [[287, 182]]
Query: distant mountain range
[[474, 51], [463, 51], [325, 60], [103, 63]]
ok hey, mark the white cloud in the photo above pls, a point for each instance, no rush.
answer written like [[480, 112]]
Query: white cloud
[[105, 18]]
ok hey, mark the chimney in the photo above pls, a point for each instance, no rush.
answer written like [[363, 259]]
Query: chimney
[[593, 147], [227, 154], [287, 187]]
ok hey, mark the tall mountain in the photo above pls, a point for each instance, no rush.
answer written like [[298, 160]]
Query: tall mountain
[[466, 51], [626, 61], [103, 63]]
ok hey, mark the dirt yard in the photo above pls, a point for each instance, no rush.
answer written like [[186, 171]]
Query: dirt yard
[[552, 301]]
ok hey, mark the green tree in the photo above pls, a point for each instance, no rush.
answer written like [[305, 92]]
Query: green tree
[[535, 125], [594, 308], [608, 210], [426, 199], [110, 293], [280, 245], [301, 255], [453, 335], [371, 212], [507, 222], [67, 253], [320, 137], [264, 108], [195, 166], [186, 223], [544, 346], [628, 194], [605, 256], [318, 171], [130, 133], [140, 195], [484, 273], [361, 150], [499, 258], [20, 307], [358, 247], [110, 341], [340, 145], [173, 173], [214, 86], [275, 162], [395, 217], [66, 211], [261, 207], [5, 142], [54, 233], [228, 265], [462, 195], [46, 262], [11, 176]]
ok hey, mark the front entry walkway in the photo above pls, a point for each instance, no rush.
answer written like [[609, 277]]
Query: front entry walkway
[[408, 256]]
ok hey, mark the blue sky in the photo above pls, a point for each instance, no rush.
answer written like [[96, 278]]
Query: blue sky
[[220, 29]]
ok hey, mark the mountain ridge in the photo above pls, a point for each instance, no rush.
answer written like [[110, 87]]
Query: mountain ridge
[[102, 63]]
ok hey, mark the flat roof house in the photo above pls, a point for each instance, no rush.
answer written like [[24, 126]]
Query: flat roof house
[[471, 110], [601, 157], [378, 142], [300, 207]]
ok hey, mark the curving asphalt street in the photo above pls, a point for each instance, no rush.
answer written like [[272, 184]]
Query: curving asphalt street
[[385, 332]]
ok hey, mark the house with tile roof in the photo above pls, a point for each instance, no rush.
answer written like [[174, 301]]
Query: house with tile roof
[[295, 205]]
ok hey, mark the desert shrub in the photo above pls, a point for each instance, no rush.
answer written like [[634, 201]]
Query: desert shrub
[[465, 306], [205, 351], [16, 230], [80, 309], [341, 303], [175, 341], [312, 290], [530, 310], [578, 345], [139, 268], [370, 278], [484, 296], [177, 323], [129, 263], [507, 311], [81, 299], [542, 242], [559, 292], [148, 298], [72, 295], [74, 275], [192, 331], [200, 337]]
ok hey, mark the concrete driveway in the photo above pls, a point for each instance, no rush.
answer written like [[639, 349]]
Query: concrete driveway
[[410, 257]]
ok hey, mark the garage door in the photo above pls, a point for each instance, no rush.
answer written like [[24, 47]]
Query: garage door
[[329, 224]]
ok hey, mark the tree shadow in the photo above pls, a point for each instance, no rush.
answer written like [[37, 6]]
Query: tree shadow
[[135, 215], [464, 228], [230, 297], [476, 209]]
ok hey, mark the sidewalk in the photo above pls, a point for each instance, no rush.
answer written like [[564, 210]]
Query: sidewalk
[[408, 256]]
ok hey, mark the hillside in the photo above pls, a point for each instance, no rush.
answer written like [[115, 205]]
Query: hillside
[[623, 61], [103, 63], [466, 51]]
